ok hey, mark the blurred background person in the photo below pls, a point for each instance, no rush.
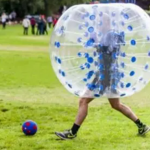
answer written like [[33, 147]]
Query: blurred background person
[[4, 20], [49, 20], [14, 15], [26, 24], [33, 23], [54, 21], [45, 26]]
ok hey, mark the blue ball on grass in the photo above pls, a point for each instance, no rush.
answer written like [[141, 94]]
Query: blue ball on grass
[[29, 127]]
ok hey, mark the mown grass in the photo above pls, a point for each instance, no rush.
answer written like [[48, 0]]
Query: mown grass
[[30, 90]]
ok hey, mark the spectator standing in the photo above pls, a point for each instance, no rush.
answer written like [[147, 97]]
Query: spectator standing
[[33, 23], [26, 24], [54, 21], [4, 20], [45, 26], [49, 20], [14, 15]]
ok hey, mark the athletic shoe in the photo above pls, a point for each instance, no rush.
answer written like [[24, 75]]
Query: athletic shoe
[[66, 135], [143, 130]]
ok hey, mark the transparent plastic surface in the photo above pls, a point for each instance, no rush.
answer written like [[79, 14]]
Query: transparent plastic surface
[[102, 50]]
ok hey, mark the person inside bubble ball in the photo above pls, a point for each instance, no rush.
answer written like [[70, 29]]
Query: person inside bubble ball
[[108, 49]]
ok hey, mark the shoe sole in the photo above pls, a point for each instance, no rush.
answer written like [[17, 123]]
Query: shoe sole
[[60, 136], [63, 137]]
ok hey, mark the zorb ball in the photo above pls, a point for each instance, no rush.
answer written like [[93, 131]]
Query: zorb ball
[[102, 50], [29, 127]]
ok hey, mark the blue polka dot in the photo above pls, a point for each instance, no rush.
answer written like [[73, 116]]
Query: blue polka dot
[[90, 42], [76, 93], [96, 95], [91, 29], [91, 86], [113, 23], [146, 66], [141, 79], [57, 44], [133, 59], [130, 28], [69, 85], [56, 58], [133, 42], [82, 67], [90, 60], [123, 54], [79, 54], [122, 64], [148, 53], [101, 77], [101, 67], [128, 85], [101, 87], [121, 85], [87, 14], [60, 71], [59, 60], [94, 54], [101, 14], [114, 55], [86, 55], [122, 75], [100, 56], [96, 63], [113, 14], [113, 86], [63, 73], [123, 95], [86, 24], [122, 23], [92, 17], [132, 73], [79, 39], [134, 89], [87, 65], [86, 34], [85, 80], [126, 16], [80, 27], [148, 38]]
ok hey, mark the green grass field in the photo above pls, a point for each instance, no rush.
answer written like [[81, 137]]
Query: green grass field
[[30, 90]]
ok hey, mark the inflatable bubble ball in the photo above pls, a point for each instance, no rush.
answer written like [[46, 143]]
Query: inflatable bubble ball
[[102, 50], [29, 127]]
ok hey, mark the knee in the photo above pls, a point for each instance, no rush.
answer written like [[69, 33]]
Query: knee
[[116, 106], [84, 101]]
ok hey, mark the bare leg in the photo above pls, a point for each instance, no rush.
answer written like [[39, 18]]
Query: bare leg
[[117, 105], [83, 110]]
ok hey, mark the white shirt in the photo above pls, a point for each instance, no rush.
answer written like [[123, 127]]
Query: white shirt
[[4, 17], [49, 19], [26, 23]]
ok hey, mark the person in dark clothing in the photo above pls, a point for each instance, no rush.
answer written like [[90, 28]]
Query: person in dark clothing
[[45, 26], [40, 27], [33, 23]]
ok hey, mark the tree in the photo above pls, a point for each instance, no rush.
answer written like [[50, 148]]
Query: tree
[[24, 7]]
